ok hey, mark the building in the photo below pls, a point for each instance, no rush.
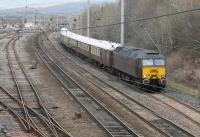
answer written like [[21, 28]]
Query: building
[[29, 25]]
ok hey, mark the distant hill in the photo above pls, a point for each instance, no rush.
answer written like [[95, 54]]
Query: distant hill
[[65, 9], [62, 9]]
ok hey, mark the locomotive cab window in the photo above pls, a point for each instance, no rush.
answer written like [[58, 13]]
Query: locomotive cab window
[[155, 62], [159, 62], [147, 62]]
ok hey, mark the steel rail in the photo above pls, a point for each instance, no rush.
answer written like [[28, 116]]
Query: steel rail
[[50, 121], [46, 113], [161, 119], [187, 105], [22, 120], [180, 101], [175, 109], [83, 97], [27, 116], [123, 94], [33, 111]]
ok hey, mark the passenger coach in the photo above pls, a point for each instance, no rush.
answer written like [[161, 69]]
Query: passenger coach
[[97, 51]]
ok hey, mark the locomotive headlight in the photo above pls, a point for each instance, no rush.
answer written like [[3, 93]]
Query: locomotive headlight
[[162, 76], [146, 76]]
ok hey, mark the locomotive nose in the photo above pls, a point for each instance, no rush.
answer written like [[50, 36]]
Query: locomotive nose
[[154, 74]]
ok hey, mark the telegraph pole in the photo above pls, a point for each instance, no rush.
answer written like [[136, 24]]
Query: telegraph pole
[[25, 20], [88, 19], [2, 22], [57, 22], [44, 22], [35, 20], [122, 23]]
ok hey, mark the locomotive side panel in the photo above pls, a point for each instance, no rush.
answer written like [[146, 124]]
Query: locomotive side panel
[[107, 57], [125, 64]]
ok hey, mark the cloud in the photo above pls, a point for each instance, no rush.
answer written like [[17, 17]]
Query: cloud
[[50, 4], [1, 7], [45, 5]]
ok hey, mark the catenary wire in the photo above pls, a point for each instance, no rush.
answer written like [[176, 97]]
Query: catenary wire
[[141, 19]]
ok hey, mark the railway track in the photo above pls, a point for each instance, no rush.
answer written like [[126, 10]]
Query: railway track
[[186, 110], [114, 126], [190, 101], [31, 110], [7, 35], [20, 118], [23, 84], [3, 36], [159, 123]]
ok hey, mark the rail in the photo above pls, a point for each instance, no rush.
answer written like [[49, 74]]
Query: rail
[[114, 126]]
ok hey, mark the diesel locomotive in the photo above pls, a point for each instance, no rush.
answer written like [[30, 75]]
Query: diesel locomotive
[[137, 65]]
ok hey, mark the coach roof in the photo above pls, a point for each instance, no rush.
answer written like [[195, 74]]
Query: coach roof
[[90, 41]]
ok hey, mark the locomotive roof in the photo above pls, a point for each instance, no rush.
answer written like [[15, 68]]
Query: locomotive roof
[[138, 52], [90, 41]]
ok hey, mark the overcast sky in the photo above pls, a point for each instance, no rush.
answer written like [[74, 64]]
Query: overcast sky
[[5, 4]]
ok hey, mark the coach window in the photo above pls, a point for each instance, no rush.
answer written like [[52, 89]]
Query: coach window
[[92, 50], [98, 52]]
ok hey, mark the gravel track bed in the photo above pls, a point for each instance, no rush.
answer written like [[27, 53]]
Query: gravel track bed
[[192, 114], [61, 106], [188, 99], [135, 107], [111, 104], [151, 103], [10, 126], [64, 108]]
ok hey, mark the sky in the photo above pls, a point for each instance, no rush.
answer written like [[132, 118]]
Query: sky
[[7, 4]]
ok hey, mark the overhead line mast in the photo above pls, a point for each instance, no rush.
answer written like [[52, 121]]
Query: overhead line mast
[[88, 19], [122, 23]]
